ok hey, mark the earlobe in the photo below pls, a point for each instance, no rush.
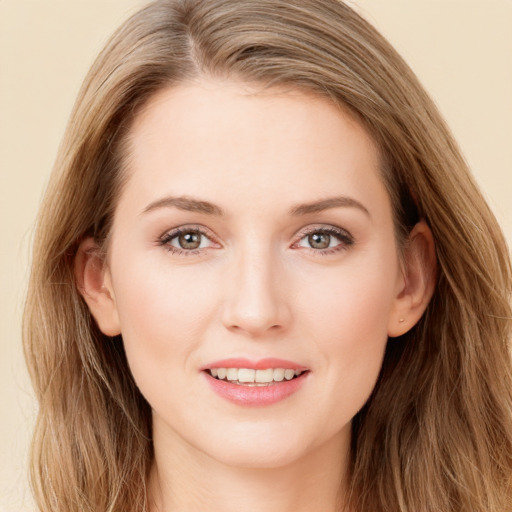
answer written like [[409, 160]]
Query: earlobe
[[417, 283], [94, 284]]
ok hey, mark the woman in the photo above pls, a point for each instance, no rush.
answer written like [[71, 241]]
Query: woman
[[264, 277]]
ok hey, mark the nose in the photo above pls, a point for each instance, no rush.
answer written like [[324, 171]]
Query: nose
[[256, 296]]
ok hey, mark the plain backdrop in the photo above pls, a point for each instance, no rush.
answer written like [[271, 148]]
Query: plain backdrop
[[460, 49]]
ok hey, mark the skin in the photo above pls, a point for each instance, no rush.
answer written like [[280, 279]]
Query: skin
[[255, 287]]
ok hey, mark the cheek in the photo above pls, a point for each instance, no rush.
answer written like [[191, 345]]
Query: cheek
[[162, 313], [351, 304], [348, 319]]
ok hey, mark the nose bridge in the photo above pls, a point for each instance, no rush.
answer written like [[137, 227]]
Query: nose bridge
[[256, 302]]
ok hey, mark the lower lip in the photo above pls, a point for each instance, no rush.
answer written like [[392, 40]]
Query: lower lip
[[256, 396]]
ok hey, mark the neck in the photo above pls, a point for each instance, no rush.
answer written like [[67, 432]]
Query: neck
[[185, 480]]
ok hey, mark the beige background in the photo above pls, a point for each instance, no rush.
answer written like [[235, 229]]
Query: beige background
[[461, 50]]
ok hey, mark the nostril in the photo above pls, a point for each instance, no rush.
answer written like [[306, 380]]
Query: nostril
[[255, 305]]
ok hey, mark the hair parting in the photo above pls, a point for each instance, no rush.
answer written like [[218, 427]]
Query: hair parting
[[435, 436]]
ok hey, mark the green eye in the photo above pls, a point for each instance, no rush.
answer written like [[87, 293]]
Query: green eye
[[189, 240], [319, 240], [326, 240], [186, 241]]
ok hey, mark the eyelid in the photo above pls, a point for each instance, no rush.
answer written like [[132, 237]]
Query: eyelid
[[345, 237], [165, 238]]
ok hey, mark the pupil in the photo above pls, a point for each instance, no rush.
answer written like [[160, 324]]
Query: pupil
[[319, 240], [191, 240]]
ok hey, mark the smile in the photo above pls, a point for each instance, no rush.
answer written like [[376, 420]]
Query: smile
[[251, 377], [255, 383]]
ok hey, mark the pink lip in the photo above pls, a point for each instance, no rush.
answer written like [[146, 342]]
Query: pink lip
[[262, 364], [255, 396]]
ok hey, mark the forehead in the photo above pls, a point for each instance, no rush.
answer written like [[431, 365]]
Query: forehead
[[215, 137], [221, 100]]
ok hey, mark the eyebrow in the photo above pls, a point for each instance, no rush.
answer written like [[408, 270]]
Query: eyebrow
[[190, 204], [326, 204], [185, 203]]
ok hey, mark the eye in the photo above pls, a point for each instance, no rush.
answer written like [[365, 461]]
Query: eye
[[320, 240], [186, 240], [326, 239]]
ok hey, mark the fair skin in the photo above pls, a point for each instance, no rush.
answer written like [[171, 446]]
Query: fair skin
[[267, 269]]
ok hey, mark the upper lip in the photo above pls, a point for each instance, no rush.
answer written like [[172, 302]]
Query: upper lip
[[260, 364]]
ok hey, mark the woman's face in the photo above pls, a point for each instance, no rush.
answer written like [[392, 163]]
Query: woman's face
[[254, 232]]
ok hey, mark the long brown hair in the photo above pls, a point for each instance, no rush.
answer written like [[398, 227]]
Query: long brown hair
[[436, 434]]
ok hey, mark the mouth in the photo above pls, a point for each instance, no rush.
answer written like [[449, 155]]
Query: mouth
[[254, 378], [255, 383]]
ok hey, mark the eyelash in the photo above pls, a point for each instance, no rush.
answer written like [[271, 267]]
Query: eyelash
[[344, 237], [166, 239]]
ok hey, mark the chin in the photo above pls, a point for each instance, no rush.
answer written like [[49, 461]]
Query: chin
[[269, 456], [267, 446]]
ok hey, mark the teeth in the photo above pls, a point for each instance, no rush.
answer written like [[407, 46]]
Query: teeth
[[232, 373], [289, 374], [250, 376], [245, 375], [279, 374], [265, 375]]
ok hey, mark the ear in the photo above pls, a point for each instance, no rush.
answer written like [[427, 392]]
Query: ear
[[95, 285], [418, 281]]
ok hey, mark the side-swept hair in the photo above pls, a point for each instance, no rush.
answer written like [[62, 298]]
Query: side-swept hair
[[436, 434]]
